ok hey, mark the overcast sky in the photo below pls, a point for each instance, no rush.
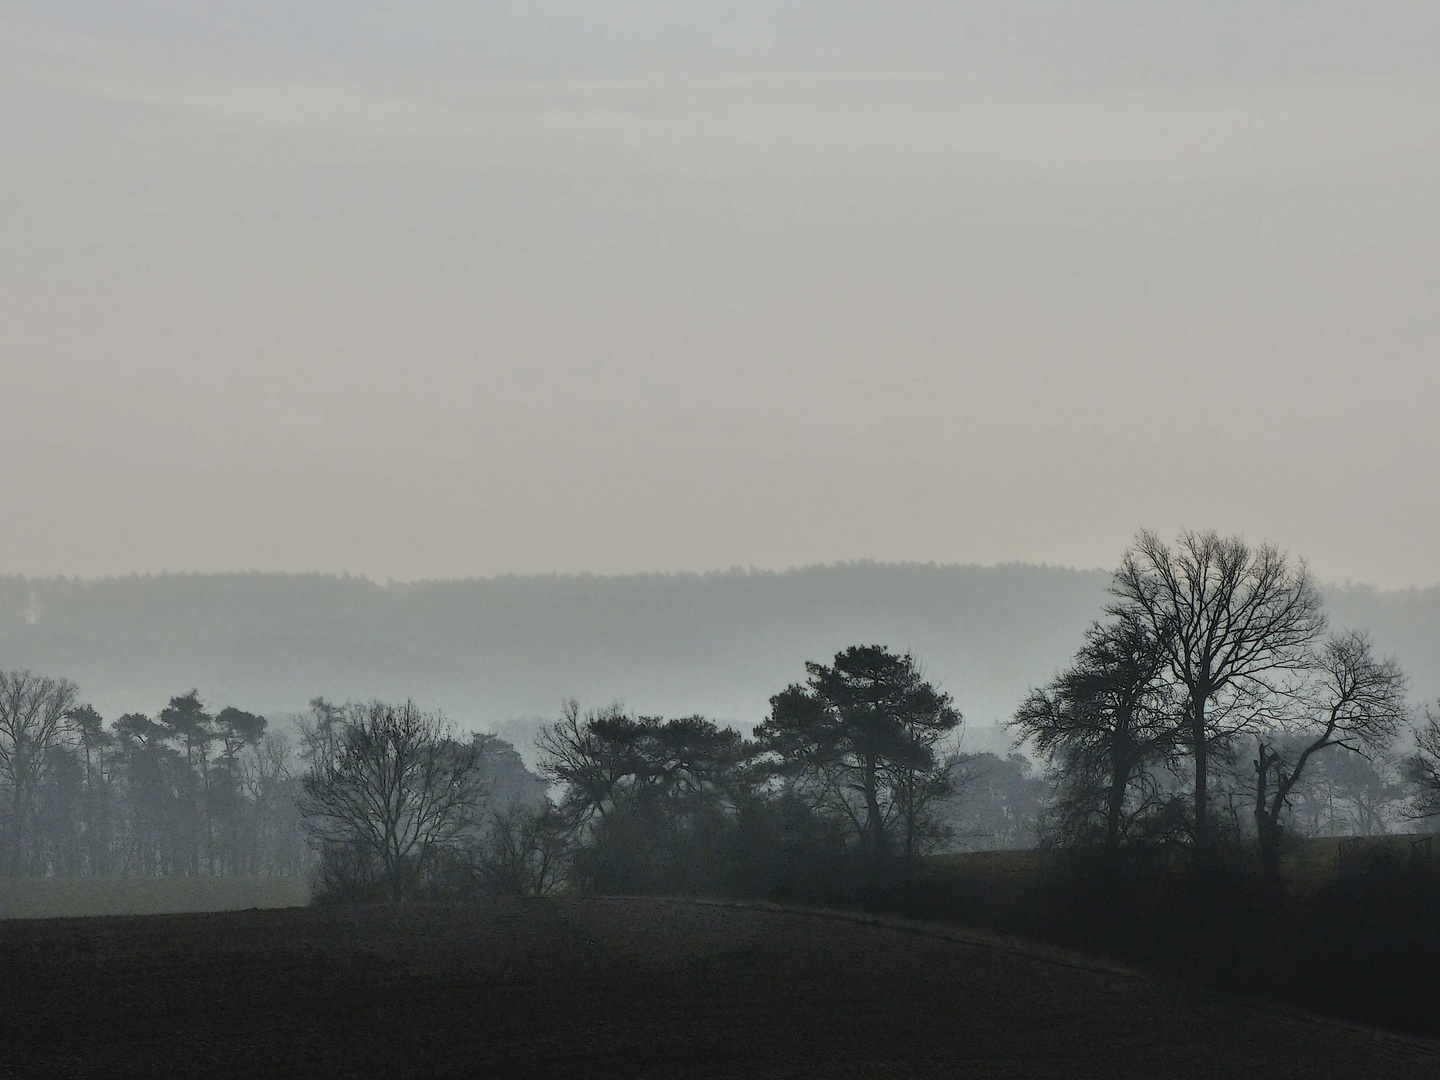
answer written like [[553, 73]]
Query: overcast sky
[[438, 289]]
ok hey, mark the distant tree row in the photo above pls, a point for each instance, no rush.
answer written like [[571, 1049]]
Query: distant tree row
[[186, 792], [854, 762]]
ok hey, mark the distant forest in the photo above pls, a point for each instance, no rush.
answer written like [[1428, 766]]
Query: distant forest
[[504, 654]]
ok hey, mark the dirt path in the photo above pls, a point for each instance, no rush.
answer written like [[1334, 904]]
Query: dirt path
[[612, 987]]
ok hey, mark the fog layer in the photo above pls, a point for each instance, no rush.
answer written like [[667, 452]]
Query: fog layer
[[505, 654]]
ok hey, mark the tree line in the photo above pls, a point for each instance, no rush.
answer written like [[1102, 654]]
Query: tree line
[[1209, 702], [856, 761], [185, 792], [388, 800]]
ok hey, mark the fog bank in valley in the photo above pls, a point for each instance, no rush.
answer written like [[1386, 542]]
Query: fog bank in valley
[[503, 653]]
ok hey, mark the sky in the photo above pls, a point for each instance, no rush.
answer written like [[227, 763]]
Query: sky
[[443, 289]]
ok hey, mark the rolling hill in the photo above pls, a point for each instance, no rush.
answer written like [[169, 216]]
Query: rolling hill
[[623, 987]]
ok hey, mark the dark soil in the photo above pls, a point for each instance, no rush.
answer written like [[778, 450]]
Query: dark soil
[[621, 987]]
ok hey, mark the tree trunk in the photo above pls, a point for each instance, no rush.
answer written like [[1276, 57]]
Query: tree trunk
[[872, 810], [911, 855], [1268, 829], [20, 825], [1197, 737], [1113, 811], [1120, 758]]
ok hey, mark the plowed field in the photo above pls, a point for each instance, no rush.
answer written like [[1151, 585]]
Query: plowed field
[[620, 987]]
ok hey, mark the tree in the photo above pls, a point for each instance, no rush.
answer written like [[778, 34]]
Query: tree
[[649, 802], [33, 710], [144, 795], [861, 738], [1103, 724], [394, 791], [186, 721], [271, 784], [1423, 767], [1356, 703], [1235, 623], [606, 757], [88, 728], [155, 778], [232, 843], [525, 850], [1366, 793], [594, 757], [510, 783]]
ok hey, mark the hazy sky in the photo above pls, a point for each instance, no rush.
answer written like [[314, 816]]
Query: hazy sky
[[435, 289]]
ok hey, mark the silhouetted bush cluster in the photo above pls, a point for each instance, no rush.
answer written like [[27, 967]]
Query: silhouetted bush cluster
[[769, 846]]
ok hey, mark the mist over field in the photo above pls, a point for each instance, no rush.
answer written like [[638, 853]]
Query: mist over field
[[504, 654]]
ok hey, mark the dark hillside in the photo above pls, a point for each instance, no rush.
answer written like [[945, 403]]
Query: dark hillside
[[616, 987]]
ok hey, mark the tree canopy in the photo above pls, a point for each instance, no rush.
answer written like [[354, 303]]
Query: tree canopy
[[860, 738]]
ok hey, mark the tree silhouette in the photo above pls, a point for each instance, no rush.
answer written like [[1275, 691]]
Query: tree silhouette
[[646, 800], [1236, 625], [860, 738], [1356, 703], [1423, 766], [33, 711], [395, 790], [1103, 723]]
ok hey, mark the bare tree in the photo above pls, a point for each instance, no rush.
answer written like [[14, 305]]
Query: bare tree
[[1423, 767], [1103, 723], [272, 784], [526, 849], [1237, 625], [391, 790], [594, 756], [1356, 703], [33, 711]]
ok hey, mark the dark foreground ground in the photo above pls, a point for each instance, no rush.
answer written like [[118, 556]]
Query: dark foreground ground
[[618, 987]]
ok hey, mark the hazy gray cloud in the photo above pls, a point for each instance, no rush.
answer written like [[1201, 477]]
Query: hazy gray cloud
[[455, 289]]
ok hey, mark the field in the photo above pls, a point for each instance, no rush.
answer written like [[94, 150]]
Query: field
[[621, 987], [39, 898]]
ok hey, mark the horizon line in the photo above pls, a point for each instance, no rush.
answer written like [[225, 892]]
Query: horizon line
[[583, 575]]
